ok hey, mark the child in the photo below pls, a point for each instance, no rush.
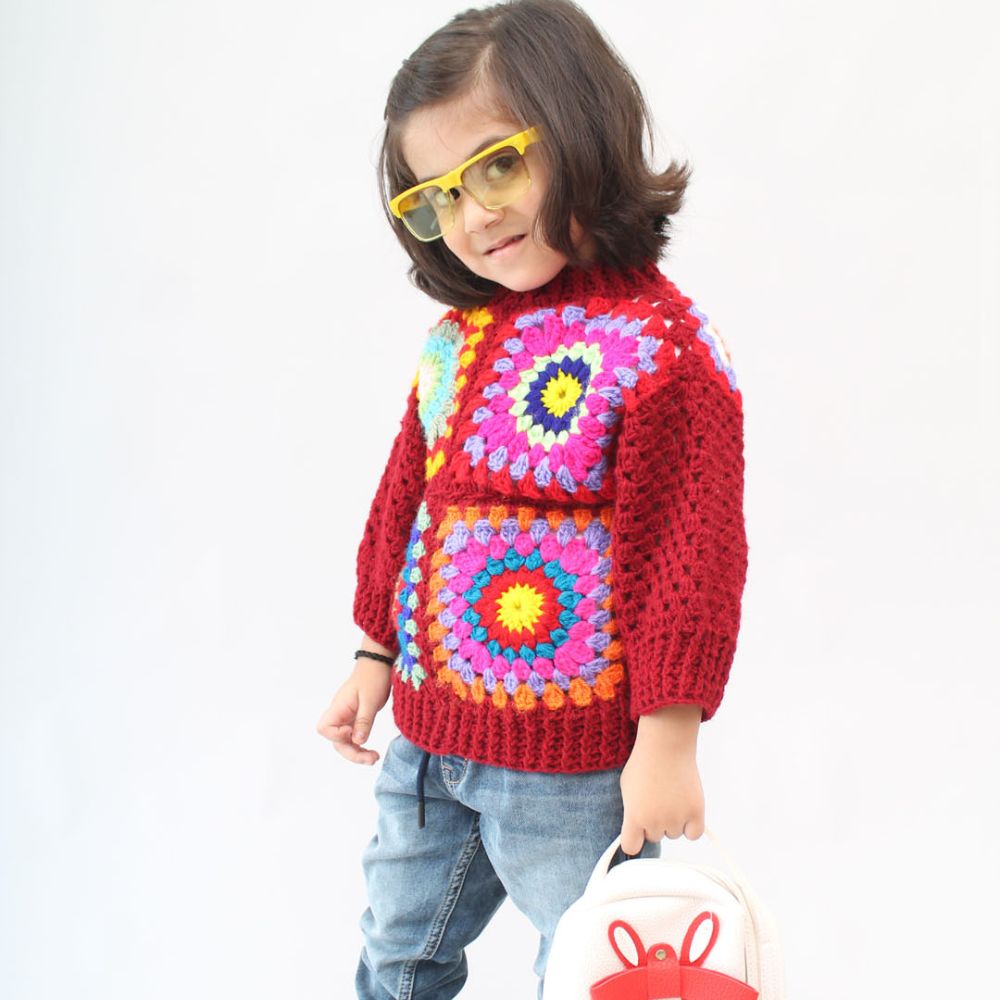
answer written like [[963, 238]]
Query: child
[[551, 574]]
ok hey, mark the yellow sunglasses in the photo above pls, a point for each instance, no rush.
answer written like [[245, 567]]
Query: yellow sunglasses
[[495, 177]]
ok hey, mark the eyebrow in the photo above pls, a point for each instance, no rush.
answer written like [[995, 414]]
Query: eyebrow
[[483, 145]]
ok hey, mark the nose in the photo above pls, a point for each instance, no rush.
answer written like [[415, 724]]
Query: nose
[[474, 217]]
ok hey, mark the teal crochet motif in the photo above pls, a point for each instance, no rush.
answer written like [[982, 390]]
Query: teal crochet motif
[[408, 661], [436, 374]]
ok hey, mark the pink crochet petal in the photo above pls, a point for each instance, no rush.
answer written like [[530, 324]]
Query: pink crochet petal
[[581, 456], [480, 657], [521, 669], [543, 667], [524, 544], [591, 427], [596, 403], [566, 662], [577, 468], [574, 556], [470, 562], [554, 332], [580, 651], [518, 446], [550, 548], [534, 342], [497, 430]]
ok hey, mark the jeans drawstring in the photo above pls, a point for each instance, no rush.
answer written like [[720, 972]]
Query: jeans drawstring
[[421, 771]]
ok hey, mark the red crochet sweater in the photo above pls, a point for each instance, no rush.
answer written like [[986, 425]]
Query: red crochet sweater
[[557, 543]]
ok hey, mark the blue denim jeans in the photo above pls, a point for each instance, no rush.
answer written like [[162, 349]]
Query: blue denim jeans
[[489, 831]]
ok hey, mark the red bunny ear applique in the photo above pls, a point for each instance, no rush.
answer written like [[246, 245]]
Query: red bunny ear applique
[[636, 941], [658, 974]]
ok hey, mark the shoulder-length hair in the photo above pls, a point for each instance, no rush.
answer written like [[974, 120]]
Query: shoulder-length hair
[[544, 63]]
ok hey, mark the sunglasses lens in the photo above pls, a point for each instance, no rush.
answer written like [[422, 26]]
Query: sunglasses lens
[[495, 181], [499, 179], [428, 213]]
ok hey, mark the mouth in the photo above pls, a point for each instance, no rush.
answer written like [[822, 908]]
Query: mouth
[[503, 245]]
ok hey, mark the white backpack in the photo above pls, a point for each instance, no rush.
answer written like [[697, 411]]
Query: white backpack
[[651, 928]]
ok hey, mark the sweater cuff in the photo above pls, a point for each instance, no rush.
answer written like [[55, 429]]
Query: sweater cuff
[[700, 662], [372, 616]]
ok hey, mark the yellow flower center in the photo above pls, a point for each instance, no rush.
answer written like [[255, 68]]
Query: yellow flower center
[[519, 607], [561, 393]]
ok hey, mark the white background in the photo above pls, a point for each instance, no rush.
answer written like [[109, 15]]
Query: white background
[[206, 338]]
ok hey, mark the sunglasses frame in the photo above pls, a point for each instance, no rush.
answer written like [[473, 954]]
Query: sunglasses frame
[[453, 179]]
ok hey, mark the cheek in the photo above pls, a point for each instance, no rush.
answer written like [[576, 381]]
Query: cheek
[[454, 241]]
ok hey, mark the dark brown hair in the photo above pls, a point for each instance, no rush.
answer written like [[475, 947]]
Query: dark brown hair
[[544, 63]]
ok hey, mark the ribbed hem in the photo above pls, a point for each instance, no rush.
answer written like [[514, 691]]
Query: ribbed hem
[[699, 665], [572, 739], [376, 625]]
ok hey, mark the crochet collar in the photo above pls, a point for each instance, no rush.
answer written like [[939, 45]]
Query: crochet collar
[[578, 283]]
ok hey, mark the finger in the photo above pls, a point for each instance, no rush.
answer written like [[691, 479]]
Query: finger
[[633, 837], [333, 731], [694, 828], [337, 713], [355, 754], [362, 725]]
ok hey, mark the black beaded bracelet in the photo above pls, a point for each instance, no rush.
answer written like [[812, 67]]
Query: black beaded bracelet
[[375, 656]]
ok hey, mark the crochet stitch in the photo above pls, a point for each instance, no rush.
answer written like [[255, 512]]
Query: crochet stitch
[[556, 545]]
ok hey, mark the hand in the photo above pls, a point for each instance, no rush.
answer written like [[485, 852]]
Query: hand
[[348, 718], [661, 792]]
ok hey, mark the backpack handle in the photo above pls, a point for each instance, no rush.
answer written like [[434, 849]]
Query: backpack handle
[[760, 919], [602, 868]]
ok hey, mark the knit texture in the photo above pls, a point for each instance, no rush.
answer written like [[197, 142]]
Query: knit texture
[[556, 545]]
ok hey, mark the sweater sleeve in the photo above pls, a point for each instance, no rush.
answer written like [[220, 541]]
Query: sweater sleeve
[[678, 535], [382, 551]]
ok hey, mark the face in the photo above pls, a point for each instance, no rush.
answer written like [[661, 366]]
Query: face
[[437, 139]]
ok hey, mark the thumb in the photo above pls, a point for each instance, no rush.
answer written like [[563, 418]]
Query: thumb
[[362, 722]]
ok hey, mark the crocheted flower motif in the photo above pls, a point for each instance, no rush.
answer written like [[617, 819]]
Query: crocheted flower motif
[[441, 375], [524, 609], [712, 339], [557, 394], [436, 378], [405, 601]]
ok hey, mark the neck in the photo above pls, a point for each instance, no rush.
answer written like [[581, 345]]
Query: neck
[[584, 282]]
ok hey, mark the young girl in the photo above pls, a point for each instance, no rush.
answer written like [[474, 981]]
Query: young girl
[[551, 574]]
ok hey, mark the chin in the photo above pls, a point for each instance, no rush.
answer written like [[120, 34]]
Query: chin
[[526, 277]]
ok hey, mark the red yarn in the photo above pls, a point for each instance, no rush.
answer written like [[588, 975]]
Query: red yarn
[[557, 543]]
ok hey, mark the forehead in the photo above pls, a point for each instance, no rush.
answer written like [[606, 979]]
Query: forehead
[[436, 138]]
